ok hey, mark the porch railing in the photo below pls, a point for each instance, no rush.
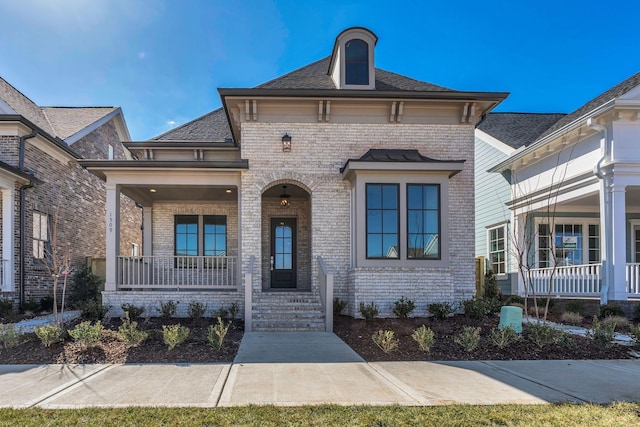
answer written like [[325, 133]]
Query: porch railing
[[177, 272], [583, 280], [633, 279], [325, 280], [4, 265]]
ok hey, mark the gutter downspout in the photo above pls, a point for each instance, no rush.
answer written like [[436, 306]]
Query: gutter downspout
[[22, 193], [605, 208]]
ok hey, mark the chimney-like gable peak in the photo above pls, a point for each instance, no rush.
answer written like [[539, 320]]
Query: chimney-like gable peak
[[352, 63]]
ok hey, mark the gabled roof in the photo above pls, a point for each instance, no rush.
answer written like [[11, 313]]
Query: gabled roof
[[67, 121], [315, 76], [616, 91], [213, 126], [23, 106], [518, 129]]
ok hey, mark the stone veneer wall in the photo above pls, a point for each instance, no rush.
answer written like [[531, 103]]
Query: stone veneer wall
[[299, 209], [81, 197], [318, 151]]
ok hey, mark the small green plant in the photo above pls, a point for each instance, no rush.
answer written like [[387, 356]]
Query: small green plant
[[9, 335], [571, 318], [425, 338], [216, 334], [504, 337], [48, 334], [85, 287], [134, 311], [385, 340], [607, 310], [338, 306], [480, 308], [196, 310], [542, 335], [234, 309], [6, 307], [168, 308], [574, 306], [619, 321], [441, 310], [129, 331], [468, 339], [174, 335], [46, 304], [491, 287], [369, 311], [636, 311], [87, 335], [404, 307], [542, 302], [634, 330], [94, 309], [31, 305], [221, 312], [514, 299], [601, 334]]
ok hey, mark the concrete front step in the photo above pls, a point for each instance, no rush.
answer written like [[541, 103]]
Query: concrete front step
[[288, 326], [287, 311]]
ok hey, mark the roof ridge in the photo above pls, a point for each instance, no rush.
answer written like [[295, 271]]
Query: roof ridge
[[187, 123], [79, 106], [17, 90]]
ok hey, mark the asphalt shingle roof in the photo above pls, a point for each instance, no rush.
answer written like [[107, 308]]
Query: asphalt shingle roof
[[213, 126], [67, 121], [518, 129], [616, 91], [24, 106]]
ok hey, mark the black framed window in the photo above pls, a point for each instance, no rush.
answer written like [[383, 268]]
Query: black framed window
[[423, 221], [383, 221], [356, 62], [186, 235]]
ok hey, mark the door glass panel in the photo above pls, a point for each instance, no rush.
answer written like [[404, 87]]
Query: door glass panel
[[284, 246]]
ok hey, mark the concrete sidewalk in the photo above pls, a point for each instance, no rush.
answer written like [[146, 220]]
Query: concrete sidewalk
[[316, 368]]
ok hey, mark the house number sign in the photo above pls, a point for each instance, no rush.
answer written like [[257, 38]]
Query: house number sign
[[110, 224]]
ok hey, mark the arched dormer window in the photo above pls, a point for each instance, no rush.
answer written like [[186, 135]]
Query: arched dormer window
[[356, 62]]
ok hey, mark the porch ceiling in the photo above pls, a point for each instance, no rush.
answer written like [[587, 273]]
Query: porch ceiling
[[180, 193], [632, 200]]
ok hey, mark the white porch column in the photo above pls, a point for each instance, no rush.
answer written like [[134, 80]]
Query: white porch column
[[8, 235], [617, 283], [147, 232], [515, 242], [113, 235]]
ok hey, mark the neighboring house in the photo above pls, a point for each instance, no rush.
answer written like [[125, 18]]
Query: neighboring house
[[575, 200], [498, 136], [337, 179], [42, 184]]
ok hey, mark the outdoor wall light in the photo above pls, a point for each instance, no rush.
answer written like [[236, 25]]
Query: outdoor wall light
[[286, 143], [228, 191], [152, 190], [284, 197]]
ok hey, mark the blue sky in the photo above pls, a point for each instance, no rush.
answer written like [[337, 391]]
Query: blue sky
[[162, 61]]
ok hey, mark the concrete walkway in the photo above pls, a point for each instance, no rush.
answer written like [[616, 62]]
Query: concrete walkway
[[315, 368]]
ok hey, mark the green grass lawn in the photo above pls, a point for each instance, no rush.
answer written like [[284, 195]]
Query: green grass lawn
[[620, 414]]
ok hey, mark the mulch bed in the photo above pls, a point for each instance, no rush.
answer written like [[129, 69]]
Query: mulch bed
[[112, 350], [357, 334]]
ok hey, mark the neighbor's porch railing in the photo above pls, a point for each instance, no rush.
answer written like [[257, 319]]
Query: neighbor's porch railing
[[633, 279], [177, 272], [4, 265], [583, 280]]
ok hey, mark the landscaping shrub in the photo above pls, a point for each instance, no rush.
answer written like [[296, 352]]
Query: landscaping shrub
[[635, 333], [636, 311], [196, 310], [574, 306], [504, 337], [216, 334], [174, 335], [491, 288], [610, 310], [6, 307], [133, 311], [441, 310], [9, 335], [404, 307], [369, 311], [425, 338], [601, 334], [87, 335], [48, 334], [94, 309], [222, 312], [129, 331], [385, 340], [480, 308], [469, 338], [234, 309], [31, 305], [542, 335], [618, 321], [571, 318], [46, 304], [168, 308], [85, 287], [338, 306], [542, 302], [514, 299]]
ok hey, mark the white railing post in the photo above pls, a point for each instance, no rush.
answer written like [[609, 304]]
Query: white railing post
[[567, 280], [248, 296], [326, 294], [633, 279]]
